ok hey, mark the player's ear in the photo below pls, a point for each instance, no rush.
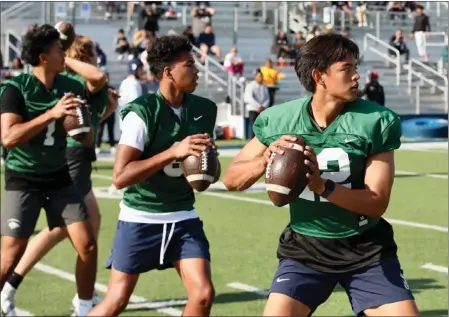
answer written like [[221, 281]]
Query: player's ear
[[318, 77], [168, 72]]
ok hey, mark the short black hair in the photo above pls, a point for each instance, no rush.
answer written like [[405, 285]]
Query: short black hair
[[320, 53], [164, 50], [36, 41]]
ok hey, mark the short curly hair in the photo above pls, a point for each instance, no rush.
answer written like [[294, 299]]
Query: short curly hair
[[36, 41], [320, 53], [164, 50]]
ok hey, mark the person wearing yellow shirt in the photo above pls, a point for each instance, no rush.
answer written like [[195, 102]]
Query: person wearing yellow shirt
[[271, 76]]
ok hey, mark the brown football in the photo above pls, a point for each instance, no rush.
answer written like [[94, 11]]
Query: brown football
[[78, 127], [202, 171], [285, 176], [66, 34]]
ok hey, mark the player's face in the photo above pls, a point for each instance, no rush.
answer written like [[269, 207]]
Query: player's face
[[53, 60], [185, 73], [341, 80]]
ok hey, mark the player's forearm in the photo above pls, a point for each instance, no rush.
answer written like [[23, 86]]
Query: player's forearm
[[112, 106], [94, 77], [360, 201], [242, 175], [20, 133], [138, 171]]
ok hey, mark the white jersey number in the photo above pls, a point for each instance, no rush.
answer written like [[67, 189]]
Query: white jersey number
[[174, 169], [49, 139], [339, 176]]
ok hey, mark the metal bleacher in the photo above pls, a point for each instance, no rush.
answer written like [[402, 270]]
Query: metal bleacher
[[251, 26]]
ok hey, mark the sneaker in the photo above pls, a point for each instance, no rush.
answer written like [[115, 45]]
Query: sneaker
[[7, 303]]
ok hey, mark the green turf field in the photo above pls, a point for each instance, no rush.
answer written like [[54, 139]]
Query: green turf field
[[243, 230]]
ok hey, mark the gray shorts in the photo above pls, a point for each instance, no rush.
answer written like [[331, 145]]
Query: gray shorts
[[21, 210], [80, 172]]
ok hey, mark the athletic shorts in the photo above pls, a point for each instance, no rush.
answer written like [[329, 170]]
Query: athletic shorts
[[21, 210], [139, 247], [80, 172], [374, 285]]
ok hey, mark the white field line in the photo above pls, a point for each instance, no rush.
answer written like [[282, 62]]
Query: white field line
[[102, 192], [21, 312], [248, 288], [436, 268], [163, 307]]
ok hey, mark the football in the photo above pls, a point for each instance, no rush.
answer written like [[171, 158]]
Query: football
[[285, 176], [78, 127], [202, 171], [66, 34]]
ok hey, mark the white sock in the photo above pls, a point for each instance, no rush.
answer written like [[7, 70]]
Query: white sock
[[83, 306], [8, 289]]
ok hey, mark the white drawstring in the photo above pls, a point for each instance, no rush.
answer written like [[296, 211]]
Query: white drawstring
[[164, 243]]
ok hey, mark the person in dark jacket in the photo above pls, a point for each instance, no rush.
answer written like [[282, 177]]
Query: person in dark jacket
[[373, 90], [398, 42]]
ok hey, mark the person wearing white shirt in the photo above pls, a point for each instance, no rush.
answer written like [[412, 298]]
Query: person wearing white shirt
[[256, 99], [131, 88]]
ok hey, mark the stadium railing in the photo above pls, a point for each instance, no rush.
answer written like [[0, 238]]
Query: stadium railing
[[416, 69], [384, 54]]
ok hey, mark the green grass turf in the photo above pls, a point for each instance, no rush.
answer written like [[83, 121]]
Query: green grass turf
[[243, 238]]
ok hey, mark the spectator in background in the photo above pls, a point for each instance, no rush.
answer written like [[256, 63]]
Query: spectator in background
[[101, 57], [234, 63], [110, 124], [398, 42], [271, 76], [141, 39], [328, 29], [346, 7], [171, 14], [300, 40], [131, 88], [316, 30], [256, 99], [201, 16], [373, 90], [398, 9], [151, 23], [420, 27], [189, 34], [360, 11], [281, 47], [122, 45], [207, 44]]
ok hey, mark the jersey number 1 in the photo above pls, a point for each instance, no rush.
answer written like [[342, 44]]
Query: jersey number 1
[[49, 138], [339, 175]]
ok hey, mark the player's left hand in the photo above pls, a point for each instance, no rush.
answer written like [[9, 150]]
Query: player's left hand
[[316, 182]]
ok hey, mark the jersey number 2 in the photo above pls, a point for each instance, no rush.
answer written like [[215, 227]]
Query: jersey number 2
[[49, 138], [337, 174], [174, 169]]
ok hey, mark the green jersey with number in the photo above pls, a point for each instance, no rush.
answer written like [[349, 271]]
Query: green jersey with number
[[45, 152], [97, 103], [361, 130], [167, 190]]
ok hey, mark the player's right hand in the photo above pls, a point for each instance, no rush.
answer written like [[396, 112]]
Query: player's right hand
[[191, 145], [285, 141], [65, 106]]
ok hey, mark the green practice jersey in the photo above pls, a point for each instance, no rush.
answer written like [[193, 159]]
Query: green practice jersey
[[167, 190], [45, 152], [361, 130], [97, 103]]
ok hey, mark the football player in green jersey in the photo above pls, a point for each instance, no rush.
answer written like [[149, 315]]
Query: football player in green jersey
[[158, 226], [80, 62], [336, 233], [36, 174]]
